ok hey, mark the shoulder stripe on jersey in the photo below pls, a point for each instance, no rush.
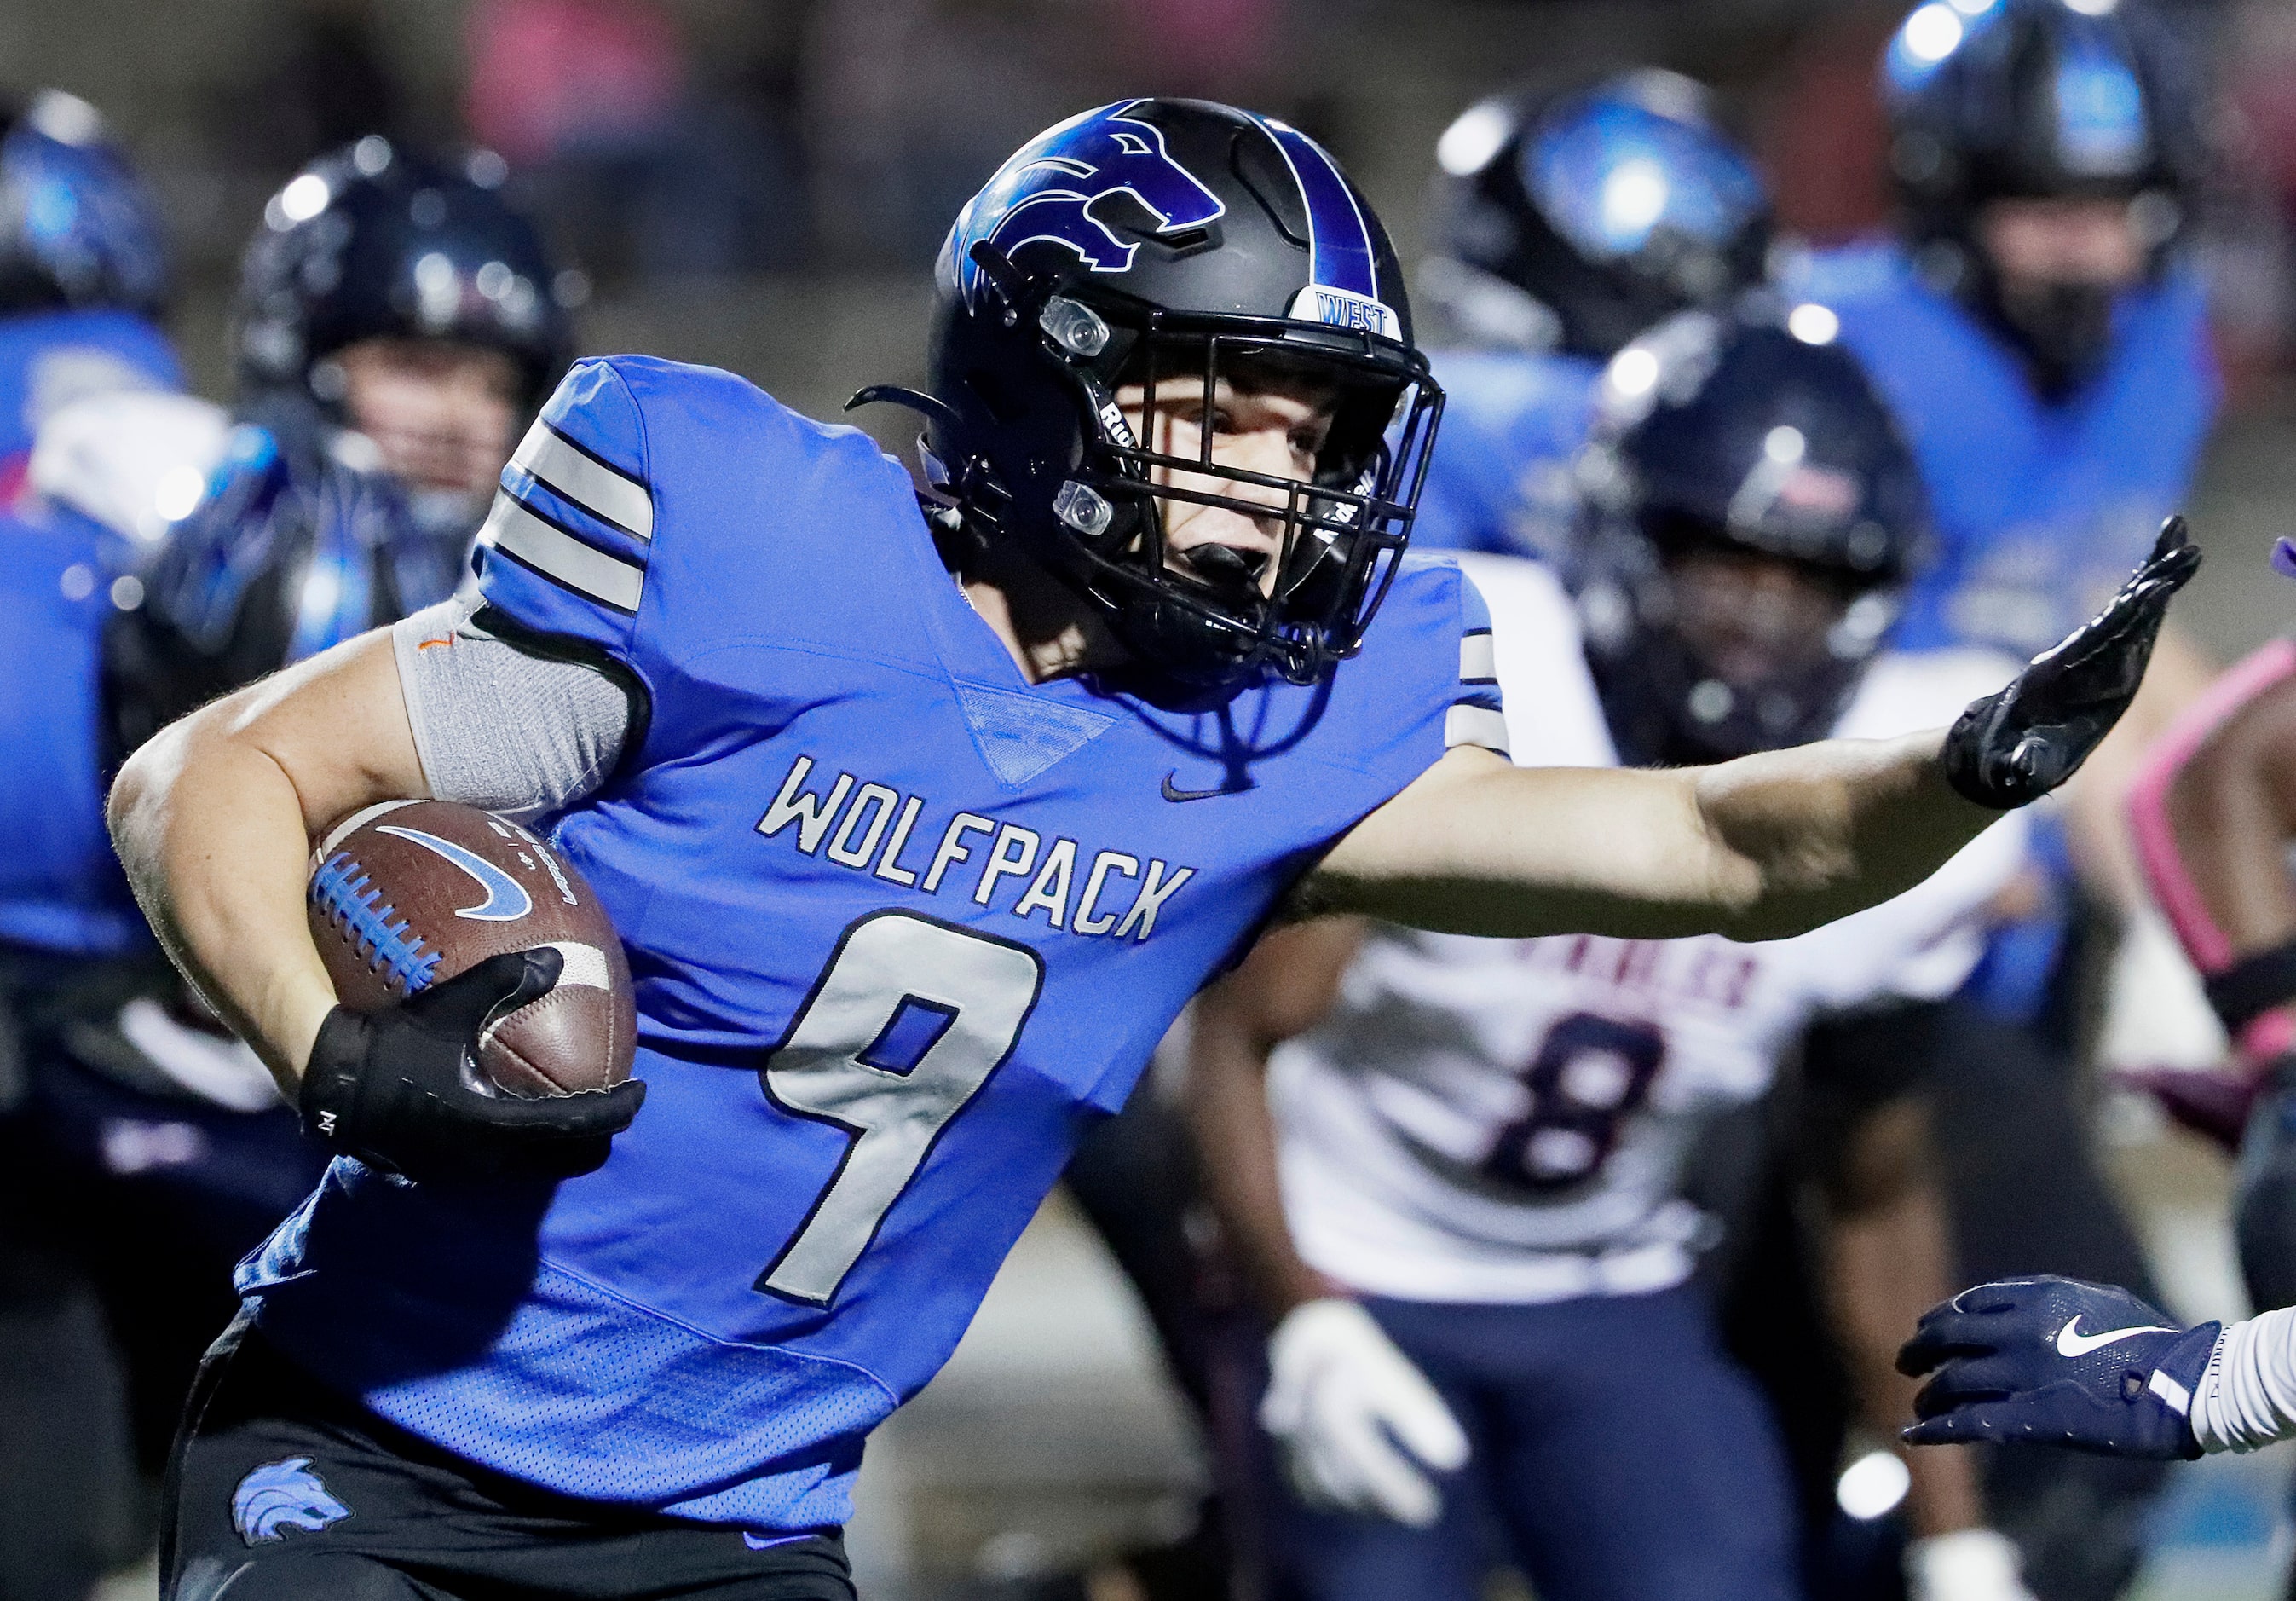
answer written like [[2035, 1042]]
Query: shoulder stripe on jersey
[[575, 474], [1479, 662], [561, 558], [1468, 725]]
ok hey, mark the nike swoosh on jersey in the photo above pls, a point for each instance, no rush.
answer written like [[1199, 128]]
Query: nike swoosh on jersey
[[1173, 792], [506, 899], [2073, 1343]]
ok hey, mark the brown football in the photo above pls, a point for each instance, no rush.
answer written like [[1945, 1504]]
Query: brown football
[[410, 894]]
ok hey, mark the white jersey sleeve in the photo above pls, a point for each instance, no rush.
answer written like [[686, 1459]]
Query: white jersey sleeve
[[131, 459], [1509, 1121]]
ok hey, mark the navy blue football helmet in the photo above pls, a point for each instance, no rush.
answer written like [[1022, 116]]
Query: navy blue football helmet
[[76, 228], [1750, 434], [1148, 241], [1575, 222], [377, 241], [1995, 100]]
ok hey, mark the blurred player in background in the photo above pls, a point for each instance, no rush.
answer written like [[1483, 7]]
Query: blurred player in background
[[1566, 224], [1490, 1142], [381, 386], [86, 378], [2035, 328], [1153, 619]]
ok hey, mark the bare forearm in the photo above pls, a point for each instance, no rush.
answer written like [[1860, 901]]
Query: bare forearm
[[1826, 830], [1756, 849], [211, 834], [1889, 1261], [1285, 987], [213, 821], [1235, 1140]]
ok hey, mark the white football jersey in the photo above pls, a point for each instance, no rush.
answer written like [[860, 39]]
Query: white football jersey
[[1510, 1120]]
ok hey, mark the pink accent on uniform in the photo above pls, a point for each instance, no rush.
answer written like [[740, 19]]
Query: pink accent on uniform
[[2207, 944]]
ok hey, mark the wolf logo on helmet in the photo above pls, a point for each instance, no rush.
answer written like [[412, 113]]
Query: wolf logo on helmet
[[1049, 190]]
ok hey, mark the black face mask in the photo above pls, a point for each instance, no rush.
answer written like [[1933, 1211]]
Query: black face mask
[[2065, 332]]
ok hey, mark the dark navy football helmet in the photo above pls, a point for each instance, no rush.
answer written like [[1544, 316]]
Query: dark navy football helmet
[[2037, 99], [378, 242], [1155, 239], [1575, 222], [76, 228], [1728, 437]]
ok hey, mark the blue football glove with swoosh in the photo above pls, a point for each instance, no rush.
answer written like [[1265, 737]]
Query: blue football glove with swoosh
[[2055, 1361]]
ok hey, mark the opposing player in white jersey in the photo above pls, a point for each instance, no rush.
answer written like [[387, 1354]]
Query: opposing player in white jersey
[[1481, 1146]]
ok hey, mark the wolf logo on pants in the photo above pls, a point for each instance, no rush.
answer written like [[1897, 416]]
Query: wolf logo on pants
[[280, 1496]]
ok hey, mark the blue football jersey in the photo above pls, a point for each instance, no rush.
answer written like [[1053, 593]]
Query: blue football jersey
[[901, 924], [61, 888], [2039, 510], [1500, 477]]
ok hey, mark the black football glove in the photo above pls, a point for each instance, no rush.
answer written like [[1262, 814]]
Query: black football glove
[[2055, 1361], [2017, 745], [401, 1089]]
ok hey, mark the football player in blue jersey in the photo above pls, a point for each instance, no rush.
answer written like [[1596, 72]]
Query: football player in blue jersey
[[2037, 327], [921, 826], [1566, 224], [155, 1143], [83, 361]]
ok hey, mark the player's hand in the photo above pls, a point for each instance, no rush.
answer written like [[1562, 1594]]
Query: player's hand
[[2055, 1361], [1968, 1565], [1355, 1420], [2020, 743], [400, 1088]]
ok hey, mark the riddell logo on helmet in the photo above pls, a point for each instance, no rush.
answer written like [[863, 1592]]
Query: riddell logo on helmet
[[1344, 309]]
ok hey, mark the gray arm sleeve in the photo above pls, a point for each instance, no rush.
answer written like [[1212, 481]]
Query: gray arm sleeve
[[498, 728]]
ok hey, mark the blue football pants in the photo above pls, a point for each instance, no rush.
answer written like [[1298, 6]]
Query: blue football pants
[[1618, 1456]]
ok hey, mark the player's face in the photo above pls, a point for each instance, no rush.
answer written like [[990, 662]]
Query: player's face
[[439, 413], [2037, 245], [1275, 427], [1753, 618]]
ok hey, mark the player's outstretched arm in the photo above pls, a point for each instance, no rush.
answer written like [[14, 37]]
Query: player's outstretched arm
[[213, 819], [1758, 849]]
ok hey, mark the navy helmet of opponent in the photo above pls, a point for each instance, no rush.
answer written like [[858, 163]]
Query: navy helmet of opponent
[[315, 528], [1724, 440], [1206, 244], [1574, 222], [2038, 100]]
